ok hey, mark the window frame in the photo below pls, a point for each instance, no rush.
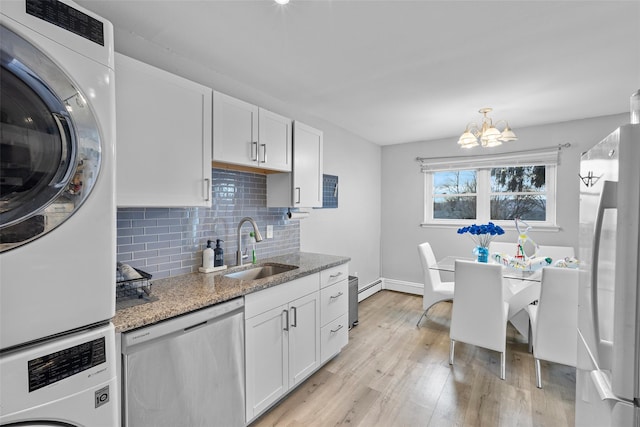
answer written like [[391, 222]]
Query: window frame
[[484, 193]]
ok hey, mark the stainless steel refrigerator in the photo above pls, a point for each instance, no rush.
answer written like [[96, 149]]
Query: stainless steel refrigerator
[[608, 364]]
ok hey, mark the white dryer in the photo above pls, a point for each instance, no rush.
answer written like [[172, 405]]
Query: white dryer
[[66, 382], [57, 204]]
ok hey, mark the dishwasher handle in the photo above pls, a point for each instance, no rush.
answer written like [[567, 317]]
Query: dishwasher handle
[[181, 324]]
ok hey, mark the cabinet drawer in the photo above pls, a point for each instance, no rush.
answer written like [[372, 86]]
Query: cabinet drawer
[[333, 337], [334, 275], [334, 301]]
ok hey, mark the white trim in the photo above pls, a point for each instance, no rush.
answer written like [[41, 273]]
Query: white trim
[[413, 288], [483, 200], [403, 286], [455, 224], [428, 204], [545, 156], [370, 291]]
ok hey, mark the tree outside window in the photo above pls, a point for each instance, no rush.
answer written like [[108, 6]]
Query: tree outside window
[[455, 194], [518, 192]]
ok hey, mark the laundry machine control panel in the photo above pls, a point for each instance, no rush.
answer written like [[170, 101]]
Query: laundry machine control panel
[[67, 17], [53, 367]]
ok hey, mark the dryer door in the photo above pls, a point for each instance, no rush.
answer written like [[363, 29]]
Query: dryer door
[[49, 143]]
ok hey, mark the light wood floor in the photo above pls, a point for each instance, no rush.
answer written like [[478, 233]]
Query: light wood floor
[[394, 374]]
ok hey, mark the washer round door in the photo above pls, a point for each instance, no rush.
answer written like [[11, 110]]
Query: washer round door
[[49, 143]]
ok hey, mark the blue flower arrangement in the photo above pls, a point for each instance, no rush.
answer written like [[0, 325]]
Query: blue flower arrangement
[[483, 234]]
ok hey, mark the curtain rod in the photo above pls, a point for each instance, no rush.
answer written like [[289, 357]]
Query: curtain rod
[[559, 147]]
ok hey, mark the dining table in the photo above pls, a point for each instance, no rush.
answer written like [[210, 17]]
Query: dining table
[[521, 288]]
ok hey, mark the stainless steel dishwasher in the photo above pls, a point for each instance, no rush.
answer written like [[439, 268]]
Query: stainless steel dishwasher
[[187, 371]]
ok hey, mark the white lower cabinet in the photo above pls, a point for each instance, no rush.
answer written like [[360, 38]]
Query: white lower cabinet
[[334, 311], [267, 360], [291, 330], [282, 343]]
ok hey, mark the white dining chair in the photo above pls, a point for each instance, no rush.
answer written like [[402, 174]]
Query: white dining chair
[[554, 320], [479, 315], [435, 290]]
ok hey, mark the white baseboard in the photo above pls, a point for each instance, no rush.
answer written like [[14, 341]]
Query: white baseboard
[[392, 285], [403, 286], [369, 289]]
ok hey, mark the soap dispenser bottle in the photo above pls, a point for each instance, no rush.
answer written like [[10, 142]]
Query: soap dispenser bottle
[[219, 254], [254, 259], [207, 256]]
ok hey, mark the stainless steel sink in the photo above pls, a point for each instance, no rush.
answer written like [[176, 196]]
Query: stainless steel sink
[[260, 272]]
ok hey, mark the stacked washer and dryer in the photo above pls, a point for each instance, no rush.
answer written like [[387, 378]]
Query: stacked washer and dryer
[[57, 216]]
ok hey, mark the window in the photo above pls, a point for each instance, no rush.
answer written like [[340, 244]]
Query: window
[[454, 194], [497, 189], [518, 192]]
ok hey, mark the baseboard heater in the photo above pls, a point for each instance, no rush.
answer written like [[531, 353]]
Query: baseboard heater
[[369, 286]]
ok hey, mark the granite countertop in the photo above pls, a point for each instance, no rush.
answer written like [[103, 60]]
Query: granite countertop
[[178, 295]]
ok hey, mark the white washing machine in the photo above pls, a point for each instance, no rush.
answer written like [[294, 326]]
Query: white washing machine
[[65, 382], [57, 204]]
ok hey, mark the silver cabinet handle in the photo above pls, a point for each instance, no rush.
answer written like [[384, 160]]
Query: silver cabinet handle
[[264, 153], [254, 158], [333, 331], [295, 317], [333, 276], [207, 190], [286, 322], [335, 296], [298, 199]]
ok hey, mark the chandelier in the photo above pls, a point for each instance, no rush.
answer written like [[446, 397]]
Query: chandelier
[[487, 134]]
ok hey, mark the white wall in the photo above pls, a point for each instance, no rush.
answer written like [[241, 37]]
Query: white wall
[[351, 230], [402, 193], [354, 228]]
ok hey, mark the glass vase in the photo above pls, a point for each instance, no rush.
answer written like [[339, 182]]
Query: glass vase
[[482, 254]]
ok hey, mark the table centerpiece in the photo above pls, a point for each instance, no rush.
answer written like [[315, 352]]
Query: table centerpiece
[[482, 235]]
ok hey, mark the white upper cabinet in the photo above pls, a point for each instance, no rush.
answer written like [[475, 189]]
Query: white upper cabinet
[[247, 135], [274, 141], [302, 187], [307, 174], [163, 144], [235, 130]]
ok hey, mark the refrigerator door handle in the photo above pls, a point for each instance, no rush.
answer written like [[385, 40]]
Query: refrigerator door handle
[[602, 382], [608, 200]]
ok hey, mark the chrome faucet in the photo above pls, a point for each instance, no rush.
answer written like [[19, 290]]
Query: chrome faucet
[[258, 237]]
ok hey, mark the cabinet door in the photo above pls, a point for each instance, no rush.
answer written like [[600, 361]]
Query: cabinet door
[[267, 359], [274, 141], [163, 144], [235, 131], [307, 166], [304, 337]]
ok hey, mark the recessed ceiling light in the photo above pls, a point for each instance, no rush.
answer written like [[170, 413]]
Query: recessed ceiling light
[[282, 1]]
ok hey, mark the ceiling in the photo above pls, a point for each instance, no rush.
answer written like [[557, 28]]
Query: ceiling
[[401, 71]]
